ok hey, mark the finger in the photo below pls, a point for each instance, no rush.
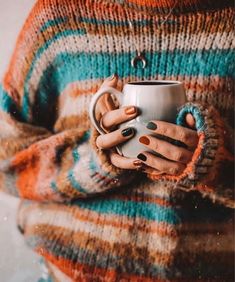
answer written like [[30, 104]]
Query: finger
[[162, 165], [150, 170], [106, 103], [111, 82], [166, 149], [116, 117], [177, 132], [112, 139], [125, 163], [190, 121]]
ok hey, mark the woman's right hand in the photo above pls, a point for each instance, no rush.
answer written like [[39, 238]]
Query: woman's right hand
[[110, 117]]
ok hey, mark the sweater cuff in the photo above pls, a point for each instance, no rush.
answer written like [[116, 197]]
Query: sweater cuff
[[205, 173], [103, 168]]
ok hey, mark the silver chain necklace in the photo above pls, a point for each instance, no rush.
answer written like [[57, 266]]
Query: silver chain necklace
[[140, 56]]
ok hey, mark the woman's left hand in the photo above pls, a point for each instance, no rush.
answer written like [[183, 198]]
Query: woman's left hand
[[175, 157]]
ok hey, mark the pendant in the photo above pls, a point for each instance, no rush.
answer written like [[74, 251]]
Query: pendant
[[139, 57]]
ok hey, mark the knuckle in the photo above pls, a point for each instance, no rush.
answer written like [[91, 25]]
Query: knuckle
[[112, 158], [177, 169], [105, 121], [182, 134], [174, 170], [179, 156], [156, 143], [99, 142], [164, 131]]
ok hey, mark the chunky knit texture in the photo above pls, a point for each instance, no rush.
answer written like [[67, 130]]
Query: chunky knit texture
[[88, 219]]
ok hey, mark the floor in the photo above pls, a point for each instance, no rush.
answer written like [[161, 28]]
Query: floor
[[17, 262]]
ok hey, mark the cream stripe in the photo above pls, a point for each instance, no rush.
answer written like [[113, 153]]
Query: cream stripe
[[112, 235], [162, 228], [7, 130], [74, 106]]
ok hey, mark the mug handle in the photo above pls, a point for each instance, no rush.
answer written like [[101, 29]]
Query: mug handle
[[103, 90]]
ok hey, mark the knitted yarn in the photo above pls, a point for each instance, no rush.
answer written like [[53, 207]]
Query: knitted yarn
[[90, 220]]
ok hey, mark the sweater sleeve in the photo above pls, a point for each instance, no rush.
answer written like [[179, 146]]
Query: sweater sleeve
[[37, 164], [211, 170]]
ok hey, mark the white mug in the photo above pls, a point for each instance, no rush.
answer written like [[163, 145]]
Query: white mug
[[155, 100]]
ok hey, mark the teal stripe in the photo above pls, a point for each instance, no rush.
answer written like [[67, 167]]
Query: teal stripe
[[94, 167], [131, 209], [113, 22], [53, 22], [82, 66], [6, 102], [74, 182], [123, 23], [25, 102], [8, 105], [54, 187], [84, 138], [76, 156]]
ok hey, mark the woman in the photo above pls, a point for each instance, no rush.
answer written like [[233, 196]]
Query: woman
[[92, 214]]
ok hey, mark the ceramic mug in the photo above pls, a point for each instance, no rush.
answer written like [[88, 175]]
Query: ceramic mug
[[155, 100]]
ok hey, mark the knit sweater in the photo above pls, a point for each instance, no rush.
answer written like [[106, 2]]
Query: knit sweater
[[90, 220]]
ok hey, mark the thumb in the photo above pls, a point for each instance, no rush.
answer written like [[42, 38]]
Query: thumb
[[190, 121], [108, 102], [111, 81]]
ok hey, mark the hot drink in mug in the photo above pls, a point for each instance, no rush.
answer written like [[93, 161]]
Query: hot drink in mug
[[155, 100]]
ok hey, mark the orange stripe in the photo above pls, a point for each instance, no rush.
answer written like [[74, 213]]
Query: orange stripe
[[27, 165], [162, 4]]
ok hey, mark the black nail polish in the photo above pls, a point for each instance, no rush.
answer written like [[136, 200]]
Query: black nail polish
[[151, 126], [127, 131], [142, 157]]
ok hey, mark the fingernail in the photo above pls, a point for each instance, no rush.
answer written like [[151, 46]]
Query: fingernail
[[142, 157], [144, 140], [112, 76], [138, 163], [151, 126], [127, 131], [130, 110]]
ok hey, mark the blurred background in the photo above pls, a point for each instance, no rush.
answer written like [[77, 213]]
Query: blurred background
[[17, 262]]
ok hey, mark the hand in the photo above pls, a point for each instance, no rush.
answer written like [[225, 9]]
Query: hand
[[175, 157], [110, 117]]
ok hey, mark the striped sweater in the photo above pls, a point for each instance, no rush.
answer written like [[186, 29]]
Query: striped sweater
[[90, 220]]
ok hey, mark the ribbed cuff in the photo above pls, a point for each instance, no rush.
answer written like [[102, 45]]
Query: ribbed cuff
[[102, 167], [205, 171]]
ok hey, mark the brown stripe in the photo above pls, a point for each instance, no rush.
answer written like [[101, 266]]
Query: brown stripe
[[82, 272], [83, 240]]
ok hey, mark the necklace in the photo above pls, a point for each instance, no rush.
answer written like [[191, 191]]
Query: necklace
[[140, 56]]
